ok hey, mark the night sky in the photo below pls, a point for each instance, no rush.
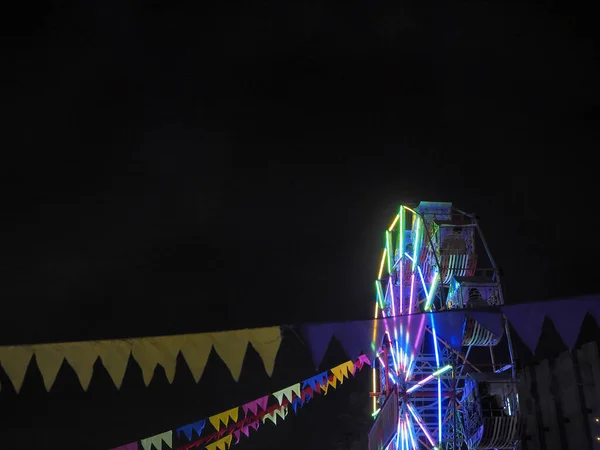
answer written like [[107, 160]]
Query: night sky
[[171, 169]]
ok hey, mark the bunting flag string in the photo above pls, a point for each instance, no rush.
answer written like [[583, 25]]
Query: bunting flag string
[[295, 396], [149, 352]]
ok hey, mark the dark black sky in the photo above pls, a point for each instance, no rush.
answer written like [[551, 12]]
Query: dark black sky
[[170, 168]]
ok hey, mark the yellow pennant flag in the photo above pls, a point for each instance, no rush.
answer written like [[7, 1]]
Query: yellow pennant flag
[[224, 417], [340, 372], [231, 347], [221, 444], [266, 342], [49, 358], [196, 350], [287, 393], [81, 356], [15, 361], [115, 356], [157, 440], [168, 349]]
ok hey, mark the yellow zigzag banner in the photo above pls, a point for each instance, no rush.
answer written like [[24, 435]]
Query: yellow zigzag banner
[[224, 417], [221, 444], [148, 352]]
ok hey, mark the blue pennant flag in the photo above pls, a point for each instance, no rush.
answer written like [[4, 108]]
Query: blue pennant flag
[[187, 429], [297, 401], [313, 381]]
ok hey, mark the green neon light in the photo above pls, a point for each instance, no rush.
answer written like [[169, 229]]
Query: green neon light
[[379, 293], [376, 412], [432, 290], [388, 246], [442, 370], [401, 232], [416, 243]]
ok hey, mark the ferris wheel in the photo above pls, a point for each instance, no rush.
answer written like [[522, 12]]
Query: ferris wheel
[[427, 393]]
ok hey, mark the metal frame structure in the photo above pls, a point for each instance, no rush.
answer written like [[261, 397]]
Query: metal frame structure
[[429, 264]]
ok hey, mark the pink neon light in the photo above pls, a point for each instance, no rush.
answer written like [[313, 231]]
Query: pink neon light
[[412, 289], [421, 425]]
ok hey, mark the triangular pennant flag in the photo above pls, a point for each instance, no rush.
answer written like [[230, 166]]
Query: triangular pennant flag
[[355, 337], [145, 351], [287, 393], [567, 317], [236, 434], [262, 402], [250, 406], [331, 381], [132, 446], [318, 337], [448, 326], [221, 444], [307, 394], [15, 360], [281, 412], [315, 381], [224, 417], [266, 342], [49, 358], [340, 372], [81, 356], [246, 430], [196, 349], [187, 429], [297, 402], [362, 360], [168, 348], [115, 356], [231, 347], [527, 319], [157, 440], [254, 425]]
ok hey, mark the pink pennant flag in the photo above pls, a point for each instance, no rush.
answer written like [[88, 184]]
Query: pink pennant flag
[[252, 406], [262, 402], [236, 433], [362, 359], [255, 425], [246, 430]]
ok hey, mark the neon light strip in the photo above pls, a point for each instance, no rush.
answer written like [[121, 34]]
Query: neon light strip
[[421, 425], [388, 246], [442, 370], [401, 232], [412, 289], [379, 294], [408, 256], [391, 228], [411, 210], [382, 263], [437, 361], [428, 379], [423, 282], [432, 290], [376, 412], [401, 288], [411, 431], [398, 432], [416, 243], [391, 290], [374, 390]]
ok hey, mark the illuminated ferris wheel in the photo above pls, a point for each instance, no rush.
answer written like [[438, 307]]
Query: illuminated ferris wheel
[[429, 393]]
